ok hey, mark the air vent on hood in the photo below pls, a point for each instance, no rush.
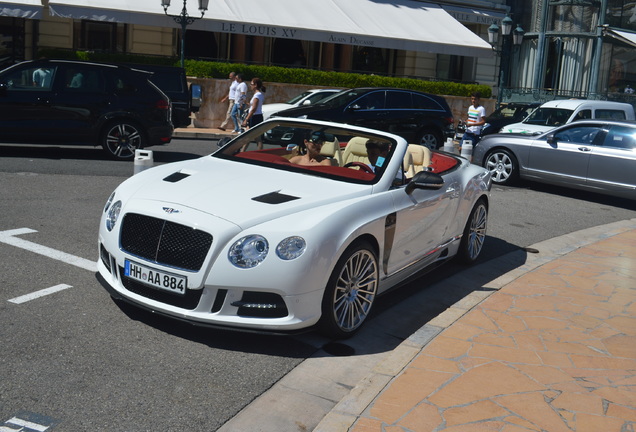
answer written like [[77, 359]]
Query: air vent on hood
[[175, 177], [274, 198]]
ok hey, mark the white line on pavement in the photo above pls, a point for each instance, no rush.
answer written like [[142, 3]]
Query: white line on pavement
[[43, 292], [9, 238]]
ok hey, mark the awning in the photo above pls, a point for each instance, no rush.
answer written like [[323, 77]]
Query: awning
[[21, 9], [396, 24], [623, 36]]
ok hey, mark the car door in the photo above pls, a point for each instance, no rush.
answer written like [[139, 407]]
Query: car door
[[563, 157], [400, 118], [367, 110], [25, 103], [612, 163], [422, 222]]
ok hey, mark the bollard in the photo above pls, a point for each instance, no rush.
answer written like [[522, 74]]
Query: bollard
[[143, 160], [467, 150], [449, 146]]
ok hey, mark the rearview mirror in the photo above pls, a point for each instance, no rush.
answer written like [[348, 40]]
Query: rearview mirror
[[425, 180]]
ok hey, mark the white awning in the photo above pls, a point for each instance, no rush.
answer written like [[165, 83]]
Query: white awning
[[474, 15], [623, 36], [399, 24], [21, 9]]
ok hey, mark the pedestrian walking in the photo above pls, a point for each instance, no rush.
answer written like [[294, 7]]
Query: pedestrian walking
[[239, 99], [230, 98]]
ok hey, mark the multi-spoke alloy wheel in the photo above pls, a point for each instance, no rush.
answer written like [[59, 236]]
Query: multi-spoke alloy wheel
[[474, 233], [121, 139], [350, 293]]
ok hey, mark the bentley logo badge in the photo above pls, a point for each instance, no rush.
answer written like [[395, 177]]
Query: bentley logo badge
[[171, 210]]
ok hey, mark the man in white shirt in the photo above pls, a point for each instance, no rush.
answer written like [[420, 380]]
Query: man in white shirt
[[239, 99], [476, 119], [229, 97]]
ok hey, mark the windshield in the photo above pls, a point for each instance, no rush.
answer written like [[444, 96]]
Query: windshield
[[313, 149], [342, 99], [298, 98], [549, 116]]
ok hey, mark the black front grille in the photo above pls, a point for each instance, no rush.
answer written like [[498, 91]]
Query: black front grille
[[188, 301], [164, 242]]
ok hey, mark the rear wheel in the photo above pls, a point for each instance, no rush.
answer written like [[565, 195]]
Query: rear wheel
[[121, 138], [503, 166], [474, 234], [350, 292], [431, 139]]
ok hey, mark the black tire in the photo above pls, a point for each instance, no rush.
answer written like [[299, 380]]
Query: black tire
[[431, 139], [350, 292], [474, 234], [503, 166], [121, 138]]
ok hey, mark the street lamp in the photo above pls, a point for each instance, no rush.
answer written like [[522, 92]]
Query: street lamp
[[505, 51], [184, 19]]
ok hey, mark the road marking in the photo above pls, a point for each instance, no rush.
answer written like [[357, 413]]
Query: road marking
[[8, 237], [27, 425], [43, 292]]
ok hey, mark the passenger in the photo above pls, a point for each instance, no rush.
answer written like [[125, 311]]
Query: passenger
[[377, 151], [312, 144]]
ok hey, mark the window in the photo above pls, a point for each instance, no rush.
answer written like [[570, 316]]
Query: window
[[371, 101], [30, 79], [398, 100], [610, 114], [99, 36], [578, 135], [424, 102], [621, 137], [83, 80]]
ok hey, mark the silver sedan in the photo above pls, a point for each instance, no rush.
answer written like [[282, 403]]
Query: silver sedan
[[594, 155]]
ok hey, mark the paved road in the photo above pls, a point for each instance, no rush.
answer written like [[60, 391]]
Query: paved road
[[79, 360]]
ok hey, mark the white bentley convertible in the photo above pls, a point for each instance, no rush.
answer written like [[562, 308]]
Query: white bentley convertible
[[289, 225]]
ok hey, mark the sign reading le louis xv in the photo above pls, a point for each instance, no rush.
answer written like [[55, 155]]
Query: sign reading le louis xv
[[282, 32]]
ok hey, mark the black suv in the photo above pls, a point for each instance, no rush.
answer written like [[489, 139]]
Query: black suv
[[73, 102], [172, 81], [419, 118]]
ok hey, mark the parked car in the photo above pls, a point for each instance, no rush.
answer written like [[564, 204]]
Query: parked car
[[73, 102], [243, 238], [594, 155], [419, 118], [305, 98], [559, 112], [507, 114], [173, 82]]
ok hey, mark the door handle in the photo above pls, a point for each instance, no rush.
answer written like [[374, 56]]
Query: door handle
[[585, 149]]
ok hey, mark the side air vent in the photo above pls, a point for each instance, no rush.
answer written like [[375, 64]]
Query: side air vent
[[274, 198], [175, 177]]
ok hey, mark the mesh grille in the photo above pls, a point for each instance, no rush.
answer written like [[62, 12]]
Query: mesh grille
[[164, 242]]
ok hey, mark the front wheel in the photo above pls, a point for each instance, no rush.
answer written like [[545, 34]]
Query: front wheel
[[431, 139], [474, 234], [350, 292], [121, 138], [503, 166]]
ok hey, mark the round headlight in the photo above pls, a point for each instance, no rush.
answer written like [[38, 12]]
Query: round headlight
[[113, 215], [291, 248], [109, 202], [249, 251]]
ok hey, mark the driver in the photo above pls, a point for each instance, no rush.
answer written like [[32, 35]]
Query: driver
[[313, 143]]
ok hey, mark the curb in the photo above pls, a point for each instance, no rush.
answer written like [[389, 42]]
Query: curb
[[348, 410]]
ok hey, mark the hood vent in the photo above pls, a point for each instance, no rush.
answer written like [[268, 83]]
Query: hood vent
[[274, 198], [175, 177]]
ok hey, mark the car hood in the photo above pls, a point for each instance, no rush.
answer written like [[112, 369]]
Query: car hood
[[525, 128], [240, 193], [275, 107]]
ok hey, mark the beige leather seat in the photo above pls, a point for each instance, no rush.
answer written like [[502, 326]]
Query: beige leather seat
[[332, 149], [355, 151], [416, 159]]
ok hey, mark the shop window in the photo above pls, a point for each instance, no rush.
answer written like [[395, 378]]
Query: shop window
[[99, 36], [11, 41]]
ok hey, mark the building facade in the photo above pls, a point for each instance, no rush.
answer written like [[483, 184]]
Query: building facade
[[24, 34]]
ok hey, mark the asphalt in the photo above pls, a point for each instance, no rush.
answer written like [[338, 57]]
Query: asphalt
[[547, 346]]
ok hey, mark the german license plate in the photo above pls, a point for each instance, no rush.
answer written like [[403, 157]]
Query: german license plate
[[155, 278]]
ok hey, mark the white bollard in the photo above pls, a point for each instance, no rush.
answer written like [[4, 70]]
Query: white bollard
[[143, 160], [467, 150], [449, 145]]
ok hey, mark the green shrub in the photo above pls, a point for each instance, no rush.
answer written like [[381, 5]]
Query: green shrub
[[207, 69]]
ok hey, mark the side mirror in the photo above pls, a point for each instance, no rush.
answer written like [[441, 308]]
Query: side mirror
[[306, 102], [550, 139], [425, 180], [353, 107]]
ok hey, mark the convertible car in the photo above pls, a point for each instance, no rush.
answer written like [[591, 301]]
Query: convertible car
[[247, 238]]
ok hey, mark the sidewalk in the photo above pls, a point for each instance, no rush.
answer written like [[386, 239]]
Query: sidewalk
[[553, 349]]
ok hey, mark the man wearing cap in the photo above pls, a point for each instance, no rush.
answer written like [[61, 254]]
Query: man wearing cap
[[313, 143]]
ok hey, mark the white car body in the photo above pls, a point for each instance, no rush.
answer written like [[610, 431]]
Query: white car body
[[564, 111], [221, 198], [306, 98]]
